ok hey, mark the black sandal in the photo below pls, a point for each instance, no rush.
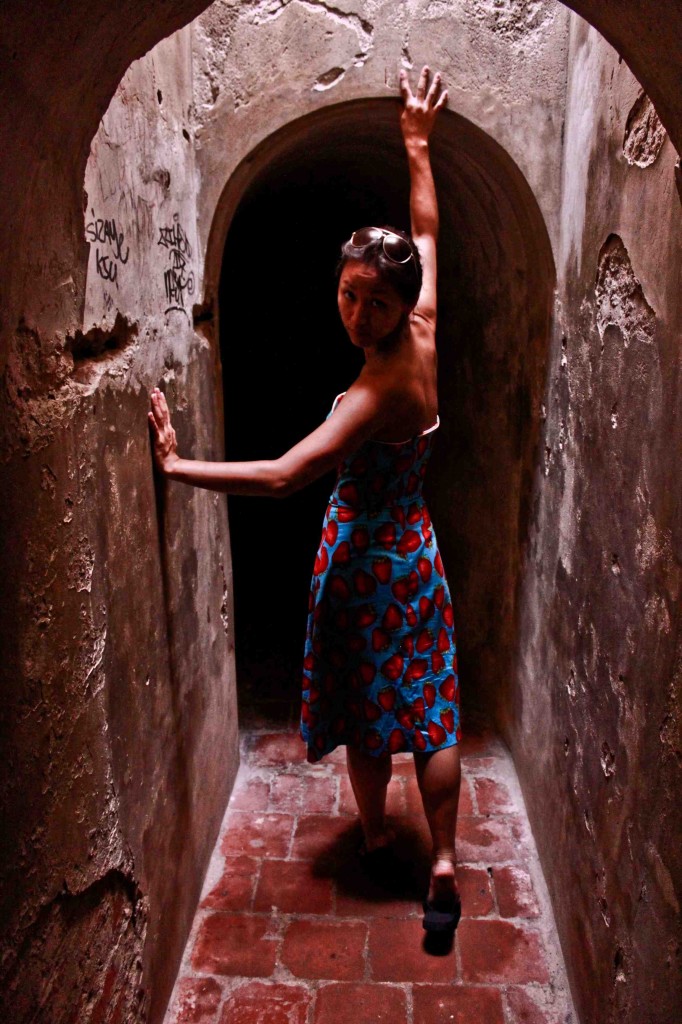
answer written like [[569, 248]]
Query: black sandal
[[442, 916]]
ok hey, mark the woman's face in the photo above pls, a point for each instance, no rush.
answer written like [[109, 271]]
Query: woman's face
[[370, 308]]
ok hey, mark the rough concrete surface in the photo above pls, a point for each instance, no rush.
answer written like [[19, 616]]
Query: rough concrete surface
[[561, 370], [601, 591], [119, 724]]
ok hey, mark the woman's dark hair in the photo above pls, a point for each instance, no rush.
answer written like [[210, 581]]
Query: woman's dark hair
[[405, 278]]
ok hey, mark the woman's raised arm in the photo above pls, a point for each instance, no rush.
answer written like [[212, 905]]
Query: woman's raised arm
[[418, 115]]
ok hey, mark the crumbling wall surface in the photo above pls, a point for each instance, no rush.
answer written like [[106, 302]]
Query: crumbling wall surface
[[319, 54], [596, 735], [118, 721]]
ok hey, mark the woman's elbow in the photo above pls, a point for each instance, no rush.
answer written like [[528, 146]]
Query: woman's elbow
[[286, 480], [283, 482]]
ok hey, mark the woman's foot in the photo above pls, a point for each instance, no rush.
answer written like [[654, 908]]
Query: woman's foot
[[442, 886], [443, 906]]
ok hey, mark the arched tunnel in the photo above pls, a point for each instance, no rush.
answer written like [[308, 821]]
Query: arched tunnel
[[178, 178], [285, 356]]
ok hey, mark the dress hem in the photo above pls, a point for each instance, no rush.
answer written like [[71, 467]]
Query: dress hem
[[313, 757]]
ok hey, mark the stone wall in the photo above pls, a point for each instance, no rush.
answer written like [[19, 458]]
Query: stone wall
[[596, 730], [119, 717]]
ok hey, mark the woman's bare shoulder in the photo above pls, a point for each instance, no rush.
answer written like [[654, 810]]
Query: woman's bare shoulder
[[378, 387]]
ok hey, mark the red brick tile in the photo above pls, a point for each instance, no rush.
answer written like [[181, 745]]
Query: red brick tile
[[492, 796], [291, 887], [286, 793], [307, 794], [457, 1004], [196, 1001], [331, 839], [235, 888], [396, 953], [395, 798], [528, 1006], [361, 1004], [515, 894], [487, 840], [319, 794], [252, 796], [279, 748], [476, 891], [235, 944], [257, 834], [498, 951], [257, 1002], [325, 949]]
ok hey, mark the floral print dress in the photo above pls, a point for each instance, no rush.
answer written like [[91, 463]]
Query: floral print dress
[[380, 658]]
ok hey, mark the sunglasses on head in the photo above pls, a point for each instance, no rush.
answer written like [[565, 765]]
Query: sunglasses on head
[[396, 249]]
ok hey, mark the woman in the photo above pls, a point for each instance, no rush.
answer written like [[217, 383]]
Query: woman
[[380, 666]]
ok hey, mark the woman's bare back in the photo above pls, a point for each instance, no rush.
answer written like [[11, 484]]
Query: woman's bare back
[[410, 375]]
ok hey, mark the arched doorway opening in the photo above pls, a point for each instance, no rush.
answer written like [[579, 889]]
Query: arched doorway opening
[[285, 357]]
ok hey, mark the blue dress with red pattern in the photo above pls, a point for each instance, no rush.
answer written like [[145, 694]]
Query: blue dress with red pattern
[[380, 659]]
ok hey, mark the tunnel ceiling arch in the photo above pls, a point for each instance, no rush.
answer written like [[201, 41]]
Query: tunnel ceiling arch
[[487, 178], [34, 58]]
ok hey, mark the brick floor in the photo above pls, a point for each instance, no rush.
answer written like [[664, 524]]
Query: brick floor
[[291, 929]]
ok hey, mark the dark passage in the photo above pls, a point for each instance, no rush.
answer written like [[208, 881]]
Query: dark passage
[[285, 358]]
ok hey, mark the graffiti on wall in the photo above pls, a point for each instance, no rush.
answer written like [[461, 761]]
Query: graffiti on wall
[[178, 279], [109, 246]]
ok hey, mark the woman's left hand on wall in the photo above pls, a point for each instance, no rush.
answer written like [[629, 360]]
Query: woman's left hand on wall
[[164, 442]]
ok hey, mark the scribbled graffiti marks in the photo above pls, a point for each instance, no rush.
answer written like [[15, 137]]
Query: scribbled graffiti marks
[[178, 279], [108, 258]]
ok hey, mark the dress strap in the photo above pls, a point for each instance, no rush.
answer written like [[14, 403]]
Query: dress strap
[[336, 401]]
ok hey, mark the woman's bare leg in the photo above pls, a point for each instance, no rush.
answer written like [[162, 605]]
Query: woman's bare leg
[[369, 777], [439, 779]]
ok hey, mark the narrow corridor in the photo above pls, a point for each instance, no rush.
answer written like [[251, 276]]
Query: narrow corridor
[[291, 930]]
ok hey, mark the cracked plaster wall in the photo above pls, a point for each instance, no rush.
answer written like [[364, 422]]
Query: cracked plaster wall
[[119, 724], [597, 733], [505, 72]]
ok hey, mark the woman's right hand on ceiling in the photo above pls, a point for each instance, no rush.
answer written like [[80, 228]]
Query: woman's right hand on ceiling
[[421, 108]]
